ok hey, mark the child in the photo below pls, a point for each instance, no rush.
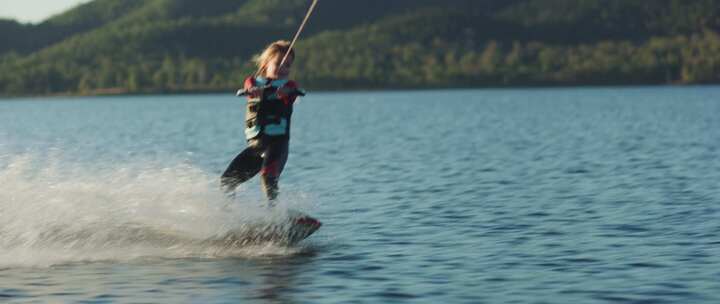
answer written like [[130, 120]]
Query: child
[[267, 121]]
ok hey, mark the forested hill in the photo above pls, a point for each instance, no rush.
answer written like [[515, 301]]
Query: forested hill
[[150, 46]]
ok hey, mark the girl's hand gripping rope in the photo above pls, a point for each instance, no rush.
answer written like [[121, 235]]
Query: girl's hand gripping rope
[[251, 90]]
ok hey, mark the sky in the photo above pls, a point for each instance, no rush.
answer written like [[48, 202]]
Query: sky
[[34, 11]]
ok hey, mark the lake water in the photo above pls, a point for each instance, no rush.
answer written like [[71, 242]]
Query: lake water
[[587, 195]]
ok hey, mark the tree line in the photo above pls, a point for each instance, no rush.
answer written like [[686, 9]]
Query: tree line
[[426, 47]]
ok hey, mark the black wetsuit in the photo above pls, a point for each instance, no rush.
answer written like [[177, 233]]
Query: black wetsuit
[[265, 154]]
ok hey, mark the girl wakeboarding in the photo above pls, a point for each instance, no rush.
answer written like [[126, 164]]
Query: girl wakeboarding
[[270, 98]]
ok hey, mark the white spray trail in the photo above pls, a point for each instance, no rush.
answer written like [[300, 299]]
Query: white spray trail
[[52, 214]]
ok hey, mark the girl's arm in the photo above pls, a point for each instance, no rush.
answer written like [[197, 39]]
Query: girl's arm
[[249, 88], [292, 90]]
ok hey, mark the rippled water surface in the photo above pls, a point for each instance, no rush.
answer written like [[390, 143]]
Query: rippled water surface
[[603, 195]]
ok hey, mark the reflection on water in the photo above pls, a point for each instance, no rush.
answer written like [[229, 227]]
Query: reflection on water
[[280, 277]]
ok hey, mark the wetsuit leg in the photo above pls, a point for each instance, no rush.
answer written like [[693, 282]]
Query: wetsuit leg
[[276, 155], [245, 165]]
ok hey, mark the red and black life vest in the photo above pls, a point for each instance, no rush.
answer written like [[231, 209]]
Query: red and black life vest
[[269, 112]]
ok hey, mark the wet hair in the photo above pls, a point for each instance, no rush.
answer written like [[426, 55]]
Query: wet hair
[[277, 48]]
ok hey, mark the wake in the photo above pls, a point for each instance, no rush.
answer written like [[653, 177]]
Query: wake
[[52, 214]]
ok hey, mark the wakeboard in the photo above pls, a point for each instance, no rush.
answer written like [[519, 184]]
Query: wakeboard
[[289, 230]]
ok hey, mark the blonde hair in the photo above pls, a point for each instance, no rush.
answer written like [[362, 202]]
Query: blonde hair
[[277, 48]]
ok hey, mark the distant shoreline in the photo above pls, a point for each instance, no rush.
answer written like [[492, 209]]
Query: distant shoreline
[[119, 93], [168, 47]]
